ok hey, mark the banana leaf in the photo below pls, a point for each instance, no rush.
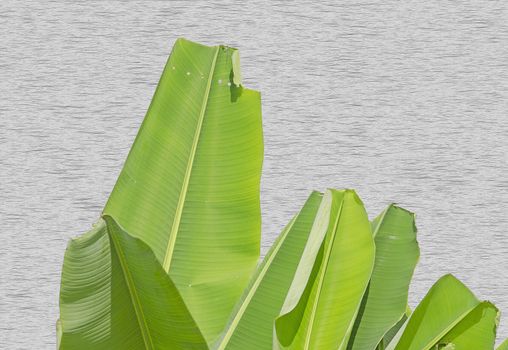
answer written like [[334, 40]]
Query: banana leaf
[[385, 300], [336, 265], [251, 327], [449, 317], [115, 295], [190, 185], [476, 331], [503, 346], [392, 332]]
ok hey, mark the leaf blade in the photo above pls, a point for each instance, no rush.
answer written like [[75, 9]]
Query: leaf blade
[[116, 295], [476, 331], [251, 326], [503, 346], [446, 304], [386, 298], [190, 185], [320, 309]]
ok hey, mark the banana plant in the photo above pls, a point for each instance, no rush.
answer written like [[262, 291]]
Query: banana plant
[[189, 188], [503, 346], [171, 263]]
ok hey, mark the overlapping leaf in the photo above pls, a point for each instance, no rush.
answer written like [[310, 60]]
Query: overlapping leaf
[[503, 346], [115, 295], [325, 296], [392, 332], [476, 331], [251, 327], [449, 317]]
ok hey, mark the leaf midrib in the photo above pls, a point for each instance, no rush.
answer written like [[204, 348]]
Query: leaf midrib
[[183, 193], [320, 282]]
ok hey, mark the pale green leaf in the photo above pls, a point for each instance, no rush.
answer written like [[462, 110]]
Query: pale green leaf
[[251, 327], [190, 185], [115, 295], [476, 331], [385, 300], [503, 346], [392, 332], [446, 304], [332, 276]]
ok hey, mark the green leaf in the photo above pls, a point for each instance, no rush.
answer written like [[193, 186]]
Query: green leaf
[[446, 306], [503, 346], [331, 278], [190, 185], [385, 300], [251, 327], [476, 331], [115, 295], [58, 333], [392, 332]]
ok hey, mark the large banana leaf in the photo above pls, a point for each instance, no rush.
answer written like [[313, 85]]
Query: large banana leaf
[[385, 300], [449, 317], [251, 327], [190, 185], [115, 295], [325, 296]]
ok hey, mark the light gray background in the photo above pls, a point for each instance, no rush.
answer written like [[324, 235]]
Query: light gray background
[[405, 101]]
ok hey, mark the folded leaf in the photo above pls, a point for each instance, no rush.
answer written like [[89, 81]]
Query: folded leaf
[[385, 300], [392, 332], [476, 331], [448, 310], [115, 295], [251, 327], [190, 185], [332, 276]]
